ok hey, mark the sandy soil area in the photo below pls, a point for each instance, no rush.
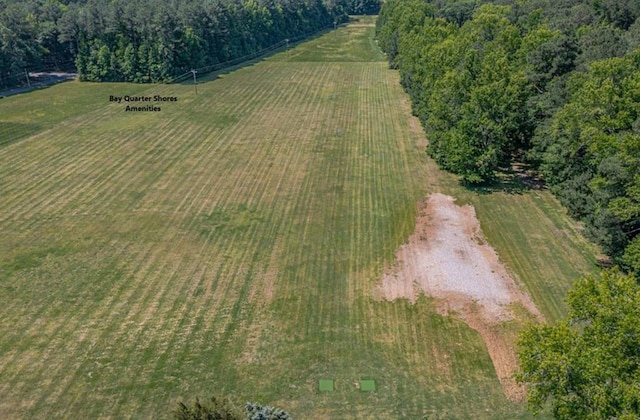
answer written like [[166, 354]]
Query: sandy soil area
[[448, 259]]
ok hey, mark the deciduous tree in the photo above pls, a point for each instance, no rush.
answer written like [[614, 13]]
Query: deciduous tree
[[587, 366]]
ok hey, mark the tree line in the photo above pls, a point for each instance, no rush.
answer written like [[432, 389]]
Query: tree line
[[551, 84], [554, 85], [150, 40]]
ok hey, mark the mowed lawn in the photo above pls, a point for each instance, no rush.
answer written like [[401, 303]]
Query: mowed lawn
[[230, 243]]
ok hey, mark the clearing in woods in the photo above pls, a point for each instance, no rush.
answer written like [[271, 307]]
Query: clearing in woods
[[232, 244]]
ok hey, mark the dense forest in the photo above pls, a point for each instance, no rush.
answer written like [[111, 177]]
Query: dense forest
[[550, 85], [153, 41]]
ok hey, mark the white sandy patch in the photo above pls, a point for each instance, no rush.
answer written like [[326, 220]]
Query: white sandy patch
[[448, 259]]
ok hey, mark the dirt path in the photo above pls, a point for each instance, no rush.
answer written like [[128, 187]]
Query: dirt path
[[448, 259], [38, 81]]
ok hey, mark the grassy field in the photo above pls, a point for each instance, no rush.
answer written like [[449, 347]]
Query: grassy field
[[230, 243]]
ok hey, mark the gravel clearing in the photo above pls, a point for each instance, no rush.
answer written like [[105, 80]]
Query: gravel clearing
[[448, 259]]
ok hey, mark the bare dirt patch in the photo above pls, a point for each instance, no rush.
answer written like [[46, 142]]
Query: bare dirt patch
[[447, 258]]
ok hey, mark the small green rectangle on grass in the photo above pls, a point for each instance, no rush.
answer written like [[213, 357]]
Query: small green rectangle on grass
[[325, 385], [367, 385]]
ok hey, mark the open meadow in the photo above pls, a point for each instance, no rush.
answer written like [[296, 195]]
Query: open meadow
[[230, 244]]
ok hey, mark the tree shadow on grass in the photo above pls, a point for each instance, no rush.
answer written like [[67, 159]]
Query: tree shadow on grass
[[516, 179]]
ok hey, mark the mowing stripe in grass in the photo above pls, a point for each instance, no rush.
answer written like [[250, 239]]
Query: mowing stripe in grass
[[231, 242]]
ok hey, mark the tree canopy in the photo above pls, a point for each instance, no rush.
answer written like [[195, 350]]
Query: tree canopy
[[221, 408], [553, 85], [588, 365], [149, 40]]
